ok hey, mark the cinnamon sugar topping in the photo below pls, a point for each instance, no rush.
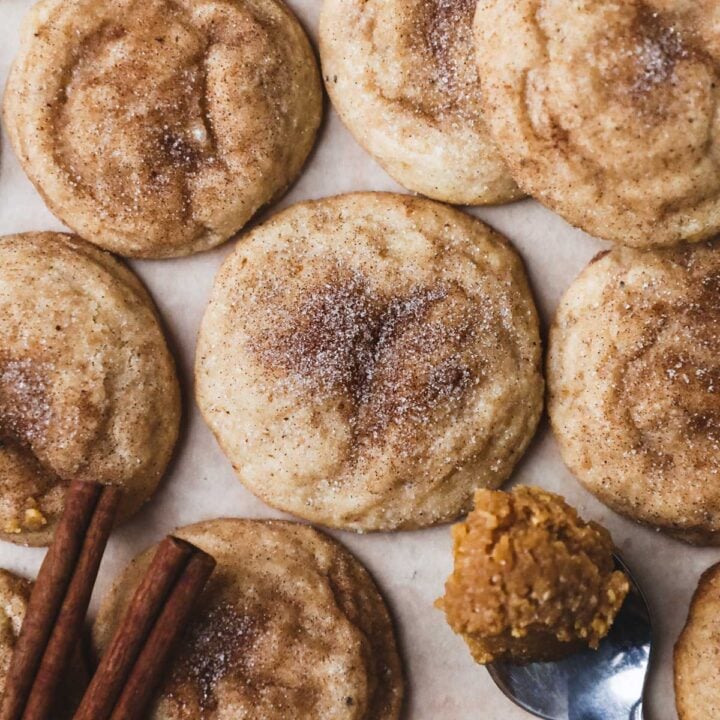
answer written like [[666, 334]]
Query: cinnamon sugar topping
[[449, 22], [446, 31], [217, 646], [659, 48], [165, 125], [677, 357], [395, 358], [329, 343], [24, 409]]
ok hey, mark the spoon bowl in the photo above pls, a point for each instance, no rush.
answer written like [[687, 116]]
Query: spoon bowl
[[603, 684]]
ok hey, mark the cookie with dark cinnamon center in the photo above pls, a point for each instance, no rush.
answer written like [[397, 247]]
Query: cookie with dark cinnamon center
[[367, 361], [88, 388], [289, 626], [159, 128]]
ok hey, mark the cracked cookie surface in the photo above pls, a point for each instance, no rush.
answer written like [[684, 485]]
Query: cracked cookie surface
[[159, 128], [289, 626], [606, 111], [367, 361], [634, 385], [402, 75], [87, 385]]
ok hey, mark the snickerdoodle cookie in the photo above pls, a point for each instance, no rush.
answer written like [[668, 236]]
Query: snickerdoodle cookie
[[157, 128], [87, 385], [697, 692], [14, 598], [289, 626], [634, 380], [605, 110], [367, 361], [402, 75]]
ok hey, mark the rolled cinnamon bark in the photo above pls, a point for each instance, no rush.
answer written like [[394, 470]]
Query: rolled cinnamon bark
[[170, 625], [47, 596], [122, 652], [68, 625]]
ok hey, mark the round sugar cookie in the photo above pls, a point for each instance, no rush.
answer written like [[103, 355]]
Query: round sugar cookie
[[366, 361], [87, 386], [634, 385], [605, 111], [290, 625], [402, 76], [158, 128], [697, 694]]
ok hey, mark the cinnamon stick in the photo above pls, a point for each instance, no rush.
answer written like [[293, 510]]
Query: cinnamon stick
[[70, 619], [47, 596], [150, 665], [124, 648]]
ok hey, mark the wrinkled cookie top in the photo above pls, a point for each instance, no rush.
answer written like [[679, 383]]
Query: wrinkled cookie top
[[290, 625], [158, 128], [87, 386], [366, 361], [634, 360], [606, 111]]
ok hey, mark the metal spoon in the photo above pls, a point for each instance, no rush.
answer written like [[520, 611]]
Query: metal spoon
[[602, 684]]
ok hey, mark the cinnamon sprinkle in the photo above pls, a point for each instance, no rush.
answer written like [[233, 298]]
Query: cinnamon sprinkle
[[447, 33], [25, 412], [395, 359], [448, 22], [218, 644], [659, 48]]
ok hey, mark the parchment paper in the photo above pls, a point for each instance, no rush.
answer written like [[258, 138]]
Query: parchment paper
[[443, 682]]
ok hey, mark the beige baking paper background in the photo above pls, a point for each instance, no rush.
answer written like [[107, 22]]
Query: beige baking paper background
[[443, 682]]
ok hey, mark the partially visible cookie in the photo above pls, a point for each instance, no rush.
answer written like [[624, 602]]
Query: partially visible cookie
[[87, 385], [366, 361], [289, 626], [605, 111], [633, 374], [159, 128], [14, 597], [697, 692], [402, 75]]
